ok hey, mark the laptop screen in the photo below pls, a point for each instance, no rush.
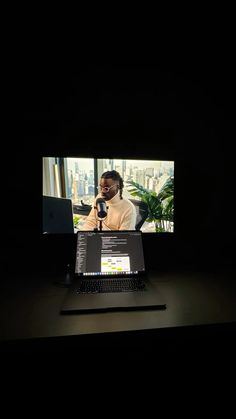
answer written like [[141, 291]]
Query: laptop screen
[[109, 253]]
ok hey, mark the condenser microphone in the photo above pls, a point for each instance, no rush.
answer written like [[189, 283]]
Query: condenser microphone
[[101, 208]]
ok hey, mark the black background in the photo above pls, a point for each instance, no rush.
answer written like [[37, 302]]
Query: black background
[[182, 110]]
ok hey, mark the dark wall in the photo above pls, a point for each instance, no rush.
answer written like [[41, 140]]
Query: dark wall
[[183, 113]]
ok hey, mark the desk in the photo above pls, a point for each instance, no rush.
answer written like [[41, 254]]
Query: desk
[[196, 302]]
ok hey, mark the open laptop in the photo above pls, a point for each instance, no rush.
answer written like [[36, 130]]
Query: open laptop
[[57, 215], [110, 274]]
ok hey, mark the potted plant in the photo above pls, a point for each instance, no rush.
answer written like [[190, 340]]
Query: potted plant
[[160, 205]]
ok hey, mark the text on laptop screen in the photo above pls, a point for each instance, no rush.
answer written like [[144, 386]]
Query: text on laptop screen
[[148, 184], [109, 253]]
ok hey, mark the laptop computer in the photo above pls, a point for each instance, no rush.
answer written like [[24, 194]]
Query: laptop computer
[[57, 215], [110, 274]]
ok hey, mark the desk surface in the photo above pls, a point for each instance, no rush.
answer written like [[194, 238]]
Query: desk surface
[[30, 307]]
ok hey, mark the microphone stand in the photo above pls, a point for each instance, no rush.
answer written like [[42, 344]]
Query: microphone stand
[[100, 225]]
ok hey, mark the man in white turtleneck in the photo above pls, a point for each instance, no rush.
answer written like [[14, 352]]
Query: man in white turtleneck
[[121, 213]]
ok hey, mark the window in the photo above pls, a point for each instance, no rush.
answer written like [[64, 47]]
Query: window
[[79, 180]]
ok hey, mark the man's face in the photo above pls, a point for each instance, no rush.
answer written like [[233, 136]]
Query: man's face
[[108, 188]]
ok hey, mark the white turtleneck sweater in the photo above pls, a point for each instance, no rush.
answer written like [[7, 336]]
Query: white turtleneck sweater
[[121, 215]]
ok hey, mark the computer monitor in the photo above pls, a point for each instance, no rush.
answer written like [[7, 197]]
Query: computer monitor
[[148, 184]]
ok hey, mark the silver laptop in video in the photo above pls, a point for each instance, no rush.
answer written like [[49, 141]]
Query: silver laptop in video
[[110, 274]]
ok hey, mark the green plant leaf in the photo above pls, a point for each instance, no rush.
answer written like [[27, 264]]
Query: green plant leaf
[[160, 206]]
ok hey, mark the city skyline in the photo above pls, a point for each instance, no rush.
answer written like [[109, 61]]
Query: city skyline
[[87, 163], [151, 174]]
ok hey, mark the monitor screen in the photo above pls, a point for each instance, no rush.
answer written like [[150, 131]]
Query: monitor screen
[[108, 194]]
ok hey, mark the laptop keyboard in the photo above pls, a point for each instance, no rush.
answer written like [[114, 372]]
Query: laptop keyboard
[[110, 285]]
